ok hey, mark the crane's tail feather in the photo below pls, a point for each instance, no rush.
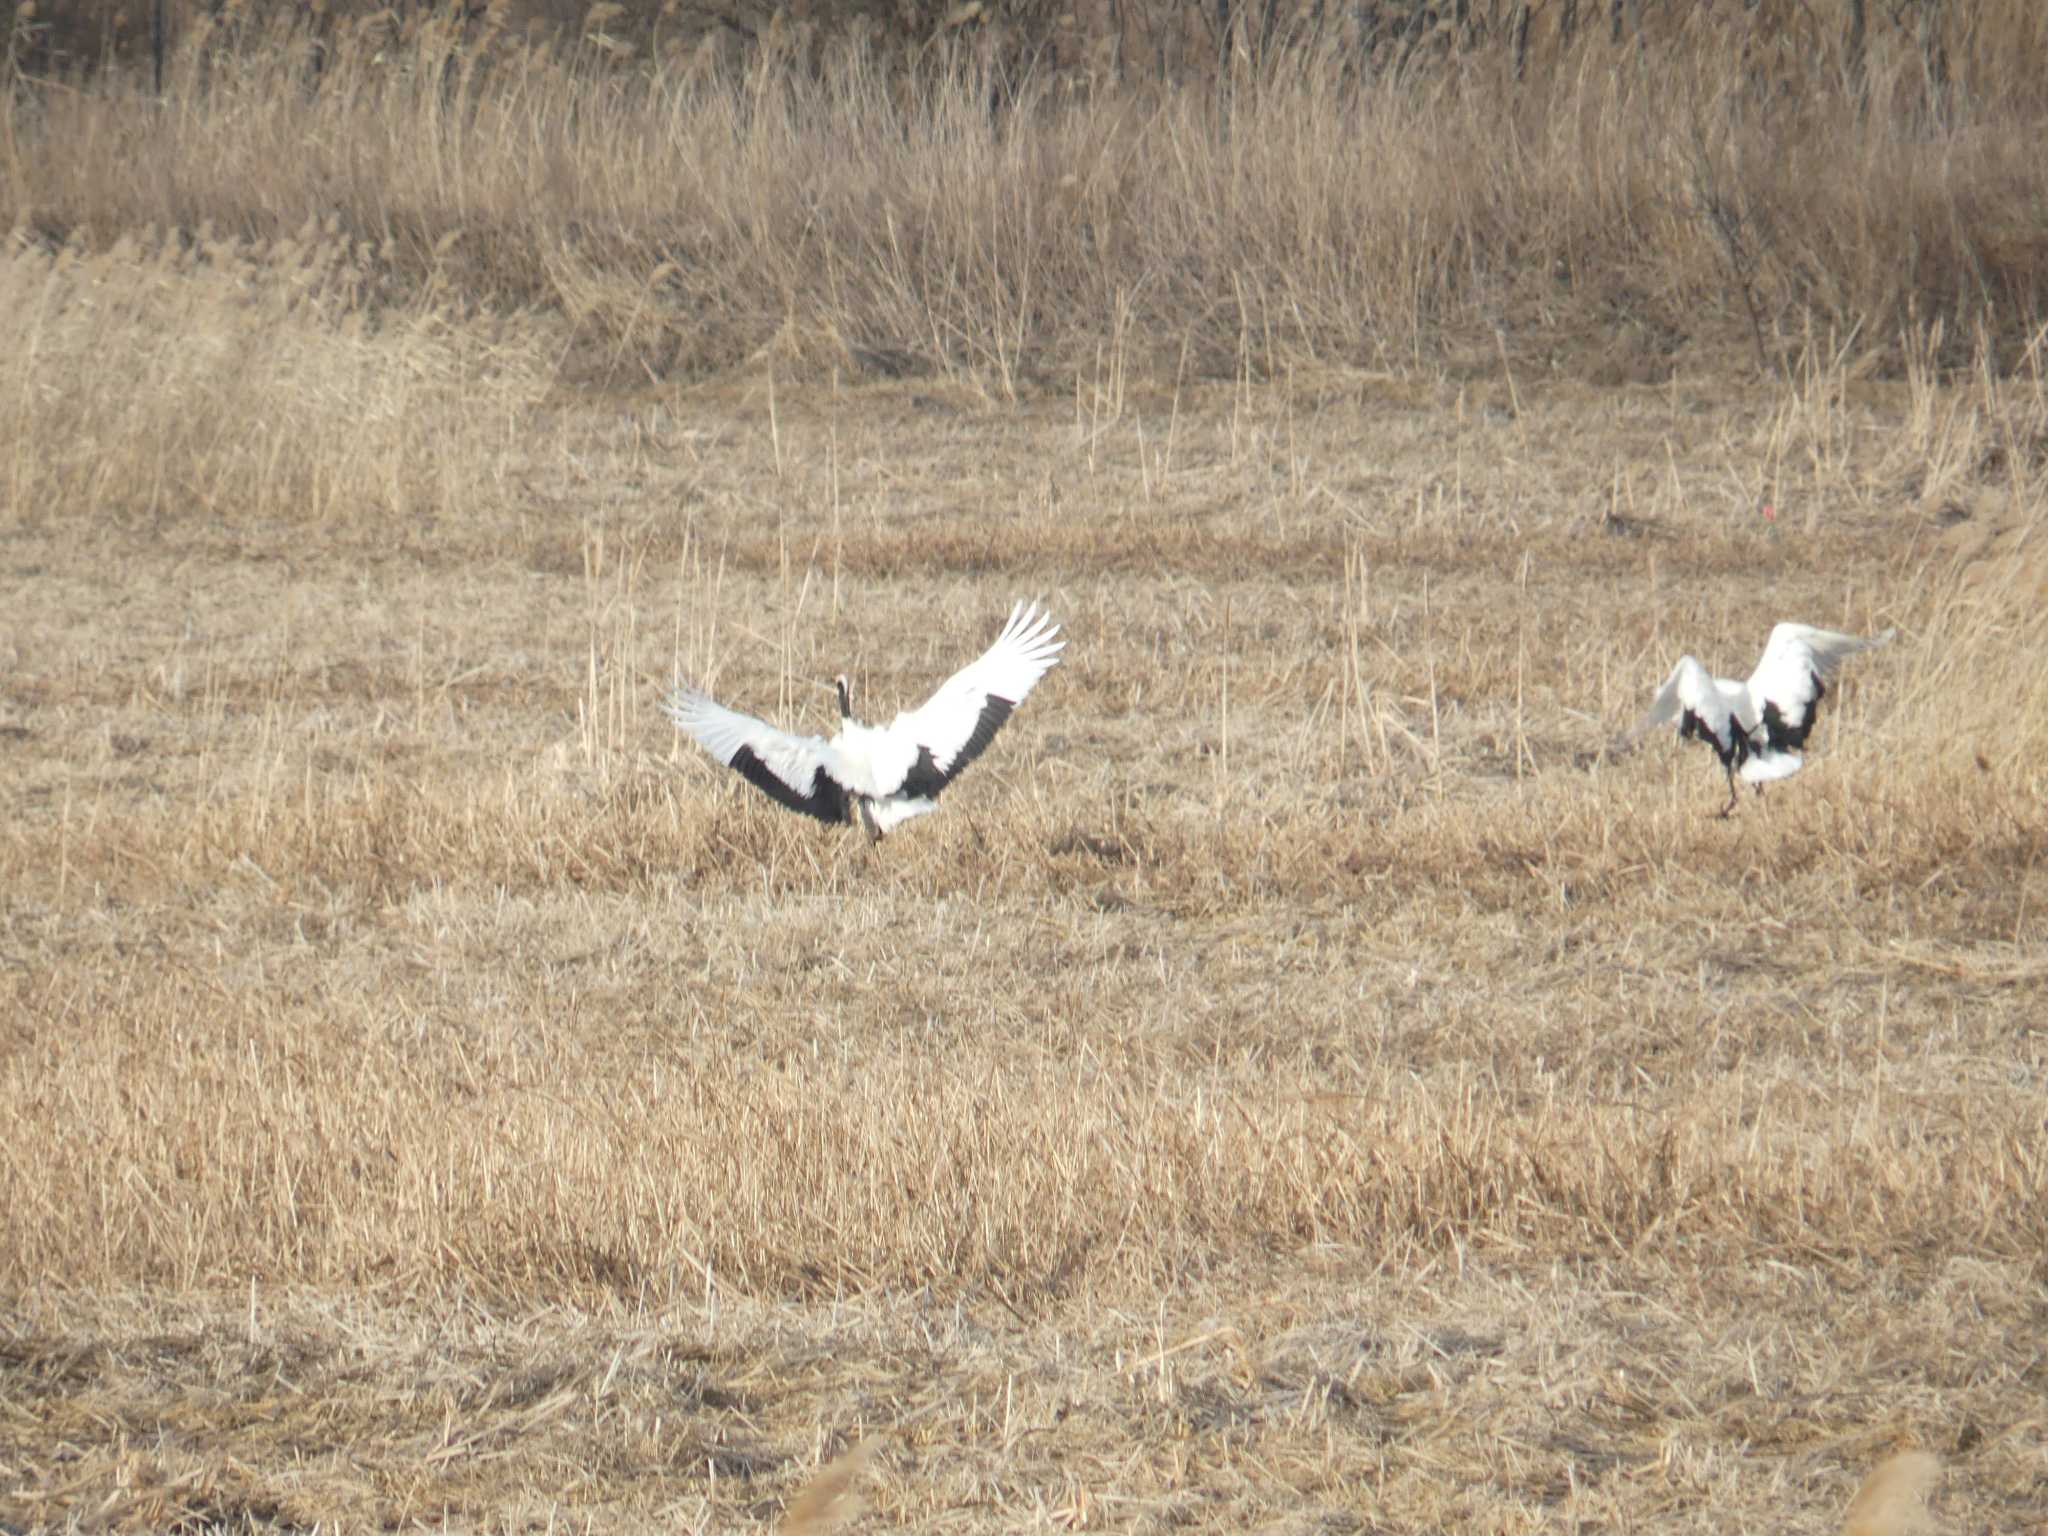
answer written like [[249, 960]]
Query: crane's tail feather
[[1767, 767]]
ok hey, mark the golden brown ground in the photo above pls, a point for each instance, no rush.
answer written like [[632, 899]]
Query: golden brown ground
[[1298, 1082]]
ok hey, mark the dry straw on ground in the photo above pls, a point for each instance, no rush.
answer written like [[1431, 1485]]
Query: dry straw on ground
[[1303, 1083]]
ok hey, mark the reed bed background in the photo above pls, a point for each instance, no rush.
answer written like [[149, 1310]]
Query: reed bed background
[[1308, 1077], [1732, 182]]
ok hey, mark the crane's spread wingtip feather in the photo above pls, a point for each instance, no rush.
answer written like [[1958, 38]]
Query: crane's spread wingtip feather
[[1031, 627], [682, 704]]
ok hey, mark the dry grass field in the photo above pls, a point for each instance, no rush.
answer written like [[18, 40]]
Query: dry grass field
[[1304, 1078]]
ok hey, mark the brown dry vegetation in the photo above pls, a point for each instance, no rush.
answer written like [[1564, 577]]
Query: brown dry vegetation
[[1300, 1081], [1615, 215]]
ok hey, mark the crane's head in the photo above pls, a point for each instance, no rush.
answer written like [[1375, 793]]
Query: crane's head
[[845, 696]]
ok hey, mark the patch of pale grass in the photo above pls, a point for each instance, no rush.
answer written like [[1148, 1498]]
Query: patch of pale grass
[[1893, 1499], [828, 1501]]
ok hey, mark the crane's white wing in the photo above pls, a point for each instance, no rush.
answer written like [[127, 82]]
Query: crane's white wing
[[1698, 701], [1791, 679], [797, 771], [953, 726]]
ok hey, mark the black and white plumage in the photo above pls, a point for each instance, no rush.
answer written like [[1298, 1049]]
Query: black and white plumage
[[1758, 727], [881, 775]]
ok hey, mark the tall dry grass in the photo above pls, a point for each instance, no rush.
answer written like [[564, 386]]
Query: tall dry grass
[[685, 215], [172, 377]]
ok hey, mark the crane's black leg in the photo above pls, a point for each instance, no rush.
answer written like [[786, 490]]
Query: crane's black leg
[[1734, 794], [867, 820]]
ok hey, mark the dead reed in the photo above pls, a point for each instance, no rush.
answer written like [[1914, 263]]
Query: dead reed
[[1601, 214]]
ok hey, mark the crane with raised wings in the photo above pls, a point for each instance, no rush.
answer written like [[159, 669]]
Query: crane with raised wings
[[1758, 725], [880, 775]]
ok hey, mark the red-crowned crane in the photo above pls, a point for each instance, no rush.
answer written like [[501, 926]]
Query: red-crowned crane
[[880, 774], [1759, 726]]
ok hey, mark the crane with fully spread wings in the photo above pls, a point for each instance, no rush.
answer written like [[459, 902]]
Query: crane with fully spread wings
[[881, 775]]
